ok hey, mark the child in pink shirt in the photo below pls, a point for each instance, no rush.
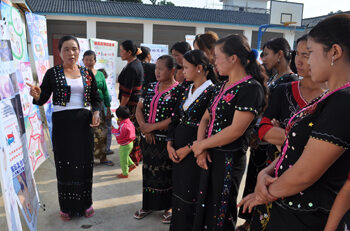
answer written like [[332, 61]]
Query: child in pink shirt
[[125, 135]]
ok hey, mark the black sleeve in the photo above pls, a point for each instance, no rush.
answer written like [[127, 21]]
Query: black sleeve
[[46, 88], [272, 111], [250, 97], [129, 81], [95, 97], [332, 125]]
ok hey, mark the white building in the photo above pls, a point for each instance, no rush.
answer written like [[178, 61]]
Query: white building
[[145, 23]]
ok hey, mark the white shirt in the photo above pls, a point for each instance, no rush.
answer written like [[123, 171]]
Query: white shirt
[[193, 96], [76, 97]]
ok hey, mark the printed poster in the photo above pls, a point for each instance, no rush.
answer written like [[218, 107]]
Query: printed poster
[[106, 57], [16, 172], [38, 35], [17, 32], [157, 50]]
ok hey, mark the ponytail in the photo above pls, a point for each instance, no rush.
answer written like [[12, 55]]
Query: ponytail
[[198, 57], [238, 45]]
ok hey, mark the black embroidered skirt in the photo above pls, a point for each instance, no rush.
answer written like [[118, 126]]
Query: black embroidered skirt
[[218, 190], [73, 143], [156, 176], [186, 175]]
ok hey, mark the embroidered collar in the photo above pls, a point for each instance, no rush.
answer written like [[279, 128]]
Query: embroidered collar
[[193, 96]]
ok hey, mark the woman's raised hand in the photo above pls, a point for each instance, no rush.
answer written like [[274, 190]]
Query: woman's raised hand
[[35, 91]]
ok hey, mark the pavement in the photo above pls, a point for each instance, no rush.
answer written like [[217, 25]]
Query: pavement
[[114, 200]]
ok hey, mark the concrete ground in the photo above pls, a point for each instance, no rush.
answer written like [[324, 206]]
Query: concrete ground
[[115, 201]]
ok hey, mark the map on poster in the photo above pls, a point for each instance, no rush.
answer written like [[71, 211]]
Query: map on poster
[[106, 58], [157, 50], [18, 174], [84, 45], [17, 32]]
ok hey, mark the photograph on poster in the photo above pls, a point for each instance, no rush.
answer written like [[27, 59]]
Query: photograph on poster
[[6, 88]]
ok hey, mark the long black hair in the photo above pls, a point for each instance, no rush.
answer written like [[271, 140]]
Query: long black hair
[[145, 52], [238, 45], [333, 30], [181, 47], [129, 45], [198, 57], [89, 53], [170, 62], [279, 44], [66, 38]]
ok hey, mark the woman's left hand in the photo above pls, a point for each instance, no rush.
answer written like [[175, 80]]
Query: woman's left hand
[[146, 128], [250, 201], [182, 153], [197, 148], [95, 119]]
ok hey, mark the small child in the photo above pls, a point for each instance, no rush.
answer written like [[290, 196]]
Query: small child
[[340, 207], [125, 135]]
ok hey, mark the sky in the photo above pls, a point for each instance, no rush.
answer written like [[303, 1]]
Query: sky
[[312, 8]]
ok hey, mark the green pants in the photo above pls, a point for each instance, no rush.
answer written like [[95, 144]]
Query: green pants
[[124, 158]]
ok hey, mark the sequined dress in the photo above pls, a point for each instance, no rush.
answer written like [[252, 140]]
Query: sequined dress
[[218, 187], [324, 120], [186, 174], [156, 168]]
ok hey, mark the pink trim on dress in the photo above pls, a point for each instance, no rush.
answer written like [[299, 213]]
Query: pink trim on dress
[[285, 146], [155, 100], [217, 99]]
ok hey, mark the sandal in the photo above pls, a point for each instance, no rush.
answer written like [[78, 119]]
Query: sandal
[[107, 163], [132, 167], [65, 216], [141, 214], [167, 217], [90, 212], [121, 175]]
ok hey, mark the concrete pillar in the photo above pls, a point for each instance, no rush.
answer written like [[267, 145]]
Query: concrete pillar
[[148, 33], [200, 30], [91, 28], [290, 37], [249, 34]]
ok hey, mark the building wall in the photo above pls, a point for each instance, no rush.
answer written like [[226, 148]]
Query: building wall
[[120, 31], [266, 37], [223, 32], [169, 35]]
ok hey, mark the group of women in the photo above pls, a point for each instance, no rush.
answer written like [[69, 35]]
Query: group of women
[[195, 128]]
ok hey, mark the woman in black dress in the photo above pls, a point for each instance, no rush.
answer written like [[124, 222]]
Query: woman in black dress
[[223, 133], [276, 58], [286, 100], [182, 132], [74, 91], [314, 162], [148, 67], [153, 115], [130, 86]]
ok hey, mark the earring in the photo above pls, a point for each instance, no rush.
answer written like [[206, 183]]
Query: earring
[[199, 71], [278, 60], [332, 63]]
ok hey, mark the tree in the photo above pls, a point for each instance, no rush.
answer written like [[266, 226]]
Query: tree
[[164, 2], [153, 2]]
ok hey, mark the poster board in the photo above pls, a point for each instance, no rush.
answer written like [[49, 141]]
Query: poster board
[[157, 50], [106, 58]]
